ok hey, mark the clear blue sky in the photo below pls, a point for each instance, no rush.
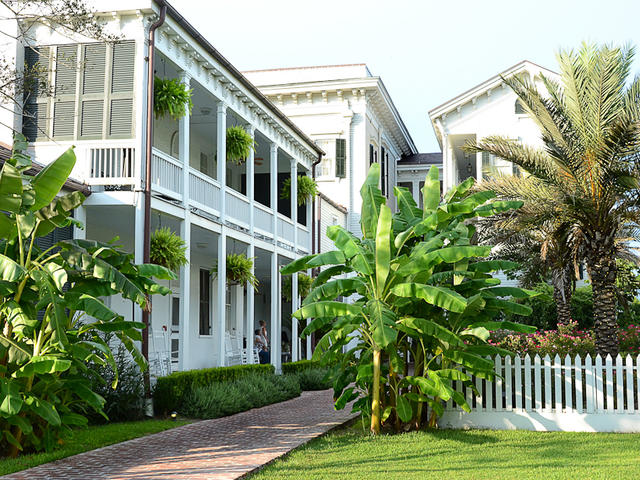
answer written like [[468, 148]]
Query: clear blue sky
[[425, 51]]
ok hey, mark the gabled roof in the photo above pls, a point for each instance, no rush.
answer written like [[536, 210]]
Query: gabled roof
[[433, 158], [493, 82]]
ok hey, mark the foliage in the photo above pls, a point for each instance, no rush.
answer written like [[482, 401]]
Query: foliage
[[125, 401], [239, 144], [51, 303], [167, 249], [306, 187], [226, 398], [239, 270], [566, 340], [299, 366], [171, 97], [350, 454], [589, 124], [90, 438], [170, 390], [304, 286], [629, 338], [314, 379], [422, 288]]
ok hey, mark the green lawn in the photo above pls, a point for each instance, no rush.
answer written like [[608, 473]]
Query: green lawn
[[89, 439], [454, 454]]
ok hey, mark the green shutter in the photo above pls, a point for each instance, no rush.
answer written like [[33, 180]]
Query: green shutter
[[35, 117], [34, 121], [120, 120], [91, 124], [94, 68], [341, 157], [123, 67]]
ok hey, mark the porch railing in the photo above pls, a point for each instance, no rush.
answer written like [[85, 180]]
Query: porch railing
[[304, 237], [204, 190], [111, 165], [263, 219], [285, 229], [166, 173], [237, 206]]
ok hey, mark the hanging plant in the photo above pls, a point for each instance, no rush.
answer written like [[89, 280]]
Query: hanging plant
[[171, 97], [239, 270], [307, 187], [239, 145], [167, 249], [304, 286]]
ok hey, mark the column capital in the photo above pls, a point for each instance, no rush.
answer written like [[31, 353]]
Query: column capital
[[251, 129], [185, 77], [273, 148], [222, 107], [294, 164]]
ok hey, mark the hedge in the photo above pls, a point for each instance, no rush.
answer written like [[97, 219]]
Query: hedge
[[300, 366], [171, 390]]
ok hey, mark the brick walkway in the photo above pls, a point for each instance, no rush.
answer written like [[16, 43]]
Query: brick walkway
[[220, 449]]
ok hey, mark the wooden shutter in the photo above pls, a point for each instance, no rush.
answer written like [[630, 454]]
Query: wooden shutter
[[94, 68], [122, 90], [91, 125], [63, 119], [36, 103], [383, 170], [341, 157], [66, 68]]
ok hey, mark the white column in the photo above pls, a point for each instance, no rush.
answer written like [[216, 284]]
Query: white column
[[250, 186], [138, 244], [294, 277], [250, 307], [183, 145], [309, 226], [80, 215], [415, 191], [238, 311], [479, 166], [294, 321], [185, 296], [221, 155], [221, 286], [276, 336], [273, 183]]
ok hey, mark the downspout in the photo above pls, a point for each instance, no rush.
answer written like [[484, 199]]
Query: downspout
[[146, 254], [315, 230]]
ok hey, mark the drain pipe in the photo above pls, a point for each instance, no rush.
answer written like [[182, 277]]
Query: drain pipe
[[146, 254], [315, 229]]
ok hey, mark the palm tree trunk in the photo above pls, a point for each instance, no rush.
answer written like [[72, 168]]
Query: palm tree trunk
[[562, 293], [601, 265]]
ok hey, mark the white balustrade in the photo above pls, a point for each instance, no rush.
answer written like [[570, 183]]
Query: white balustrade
[[263, 218], [204, 191], [111, 165], [304, 238], [285, 229], [570, 394], [237, 208], [166, 174]]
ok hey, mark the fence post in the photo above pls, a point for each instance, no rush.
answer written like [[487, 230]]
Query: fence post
[[578, 363], [508, 383], [619, 375], [557, 377], [518, 386], [538, 382], [568, 384], [599, 385], [590, 382], [489, 394], [629, 371], [498, 383], [609, 382], [547, 384], [527, 382]]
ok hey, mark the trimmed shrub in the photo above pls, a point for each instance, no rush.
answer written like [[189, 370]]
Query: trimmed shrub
[[229, 397], [314, 379], [171, 390], [299, 366]]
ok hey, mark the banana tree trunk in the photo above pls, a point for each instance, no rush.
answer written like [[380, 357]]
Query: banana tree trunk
[[601, 265], [375, 402]]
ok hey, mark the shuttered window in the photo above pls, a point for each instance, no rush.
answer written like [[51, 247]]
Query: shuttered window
[[93, 95], [205, 302], [341, 158], [371, 159], [383, 170]]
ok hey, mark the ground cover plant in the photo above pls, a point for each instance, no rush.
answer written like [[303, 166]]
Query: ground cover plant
[[422, 288], [87, 439], [351, 454], [51, 309]]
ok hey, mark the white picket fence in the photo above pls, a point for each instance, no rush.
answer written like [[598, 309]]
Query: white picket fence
[[581, 395]]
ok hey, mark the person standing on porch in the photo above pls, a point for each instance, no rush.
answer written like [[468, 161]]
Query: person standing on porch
[[263, 334], [261, 347]]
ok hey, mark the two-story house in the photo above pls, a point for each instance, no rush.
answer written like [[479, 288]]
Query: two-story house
[[98, 102]]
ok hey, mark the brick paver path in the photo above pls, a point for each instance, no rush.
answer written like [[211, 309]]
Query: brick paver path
[[220, 449]]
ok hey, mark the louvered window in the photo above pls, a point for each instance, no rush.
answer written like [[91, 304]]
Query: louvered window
[[383, 170], [341, 158], [93, 92]]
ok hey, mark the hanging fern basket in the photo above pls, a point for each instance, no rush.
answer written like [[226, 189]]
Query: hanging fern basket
[[171, 97], [304, 286], [167, 249], [239, 145], [307, 188], [239, 270]]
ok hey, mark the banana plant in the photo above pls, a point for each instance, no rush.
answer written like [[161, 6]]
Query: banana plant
[[51, 307], [422, 290]]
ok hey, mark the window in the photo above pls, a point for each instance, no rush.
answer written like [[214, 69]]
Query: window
[[341, 157], [91, 95], [520, 108], [421, 189], [175, 314], [383, 170], [407, 185], [371, 159], [205, 302]]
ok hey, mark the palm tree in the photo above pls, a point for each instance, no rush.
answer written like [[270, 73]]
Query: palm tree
[[589, 122], [538, 229]]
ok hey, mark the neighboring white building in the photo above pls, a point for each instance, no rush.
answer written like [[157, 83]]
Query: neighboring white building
[[218, 208], [412, 171], [351, 116], [490, 108]]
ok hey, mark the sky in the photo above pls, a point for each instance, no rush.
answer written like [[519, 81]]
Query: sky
[[426, 52]]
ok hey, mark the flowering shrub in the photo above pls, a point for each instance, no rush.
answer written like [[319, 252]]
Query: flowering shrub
[[629, 339], [567, 339]]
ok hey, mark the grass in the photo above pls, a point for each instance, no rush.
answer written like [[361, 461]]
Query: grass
[[350, 454], [88, 439]]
